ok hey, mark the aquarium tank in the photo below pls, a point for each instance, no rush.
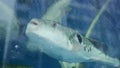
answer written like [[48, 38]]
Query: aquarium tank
[[59, 34]]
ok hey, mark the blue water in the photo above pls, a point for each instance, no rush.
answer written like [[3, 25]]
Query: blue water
[[82, 12]]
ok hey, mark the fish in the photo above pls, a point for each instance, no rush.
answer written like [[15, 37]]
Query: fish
[[64, 43]]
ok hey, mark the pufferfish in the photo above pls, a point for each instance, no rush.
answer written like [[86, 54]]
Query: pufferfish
[[64, 44]]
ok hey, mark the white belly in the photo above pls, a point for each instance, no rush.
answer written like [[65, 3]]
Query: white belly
[[56, 37]]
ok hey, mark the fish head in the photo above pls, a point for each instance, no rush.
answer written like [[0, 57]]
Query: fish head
[[41, 28], [40, 32], [46, 34]]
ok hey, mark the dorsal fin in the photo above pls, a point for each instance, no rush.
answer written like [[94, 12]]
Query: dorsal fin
[[57, 11]]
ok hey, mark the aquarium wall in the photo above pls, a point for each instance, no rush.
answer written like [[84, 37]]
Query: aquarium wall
[[57, 33]]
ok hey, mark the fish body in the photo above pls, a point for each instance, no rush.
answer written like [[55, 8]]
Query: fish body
[[63, 43]]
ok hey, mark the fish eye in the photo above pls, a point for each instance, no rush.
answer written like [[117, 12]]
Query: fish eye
[[79, 38]]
